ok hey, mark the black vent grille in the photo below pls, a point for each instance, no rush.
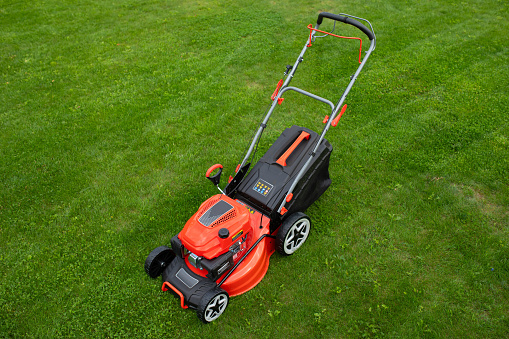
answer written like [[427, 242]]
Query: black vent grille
[[215, 212]]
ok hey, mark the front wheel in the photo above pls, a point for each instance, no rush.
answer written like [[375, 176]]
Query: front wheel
[[212, 305], [293, 233], [157, 261]]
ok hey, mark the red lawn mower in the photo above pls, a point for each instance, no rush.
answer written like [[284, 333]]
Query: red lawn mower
[[224, 249]]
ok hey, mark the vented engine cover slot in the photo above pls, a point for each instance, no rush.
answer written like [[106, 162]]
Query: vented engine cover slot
[[201, 234], [215, 212]]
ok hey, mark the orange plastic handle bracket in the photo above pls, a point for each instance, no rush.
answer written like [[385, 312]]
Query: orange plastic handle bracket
[[164, 288], [274, 95], [284, 157], [336, 119]]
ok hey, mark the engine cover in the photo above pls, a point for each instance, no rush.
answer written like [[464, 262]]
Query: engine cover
[[217, 224]]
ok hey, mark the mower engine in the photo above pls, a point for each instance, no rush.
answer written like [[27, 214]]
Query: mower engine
[[214, 238]]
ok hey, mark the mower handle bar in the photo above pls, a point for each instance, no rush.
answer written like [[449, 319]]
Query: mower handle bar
[[346, 20]]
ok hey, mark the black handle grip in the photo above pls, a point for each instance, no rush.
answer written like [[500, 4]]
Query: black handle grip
[[216, 177], [346, 20]]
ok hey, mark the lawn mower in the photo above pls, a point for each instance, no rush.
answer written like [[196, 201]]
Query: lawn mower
[[224, 248]]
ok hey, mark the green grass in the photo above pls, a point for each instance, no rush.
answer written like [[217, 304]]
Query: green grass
[[111, 112]]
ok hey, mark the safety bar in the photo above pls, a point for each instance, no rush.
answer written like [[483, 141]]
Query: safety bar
[[311, 95]]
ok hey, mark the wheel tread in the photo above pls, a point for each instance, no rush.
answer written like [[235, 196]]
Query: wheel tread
[[285, 228]]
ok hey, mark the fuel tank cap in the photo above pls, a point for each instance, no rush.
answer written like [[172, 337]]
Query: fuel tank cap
[[223, 233]]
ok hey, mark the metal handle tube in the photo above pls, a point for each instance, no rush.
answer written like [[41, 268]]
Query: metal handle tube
[[311, 95], [274, 103], [327, 125], [345, 93], [335, 108]]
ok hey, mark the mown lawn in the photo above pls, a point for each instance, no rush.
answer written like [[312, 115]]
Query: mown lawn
[[111, 112]]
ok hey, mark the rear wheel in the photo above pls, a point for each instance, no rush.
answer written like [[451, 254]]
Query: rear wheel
[[212, 305], [293, 233], [157, 261]]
